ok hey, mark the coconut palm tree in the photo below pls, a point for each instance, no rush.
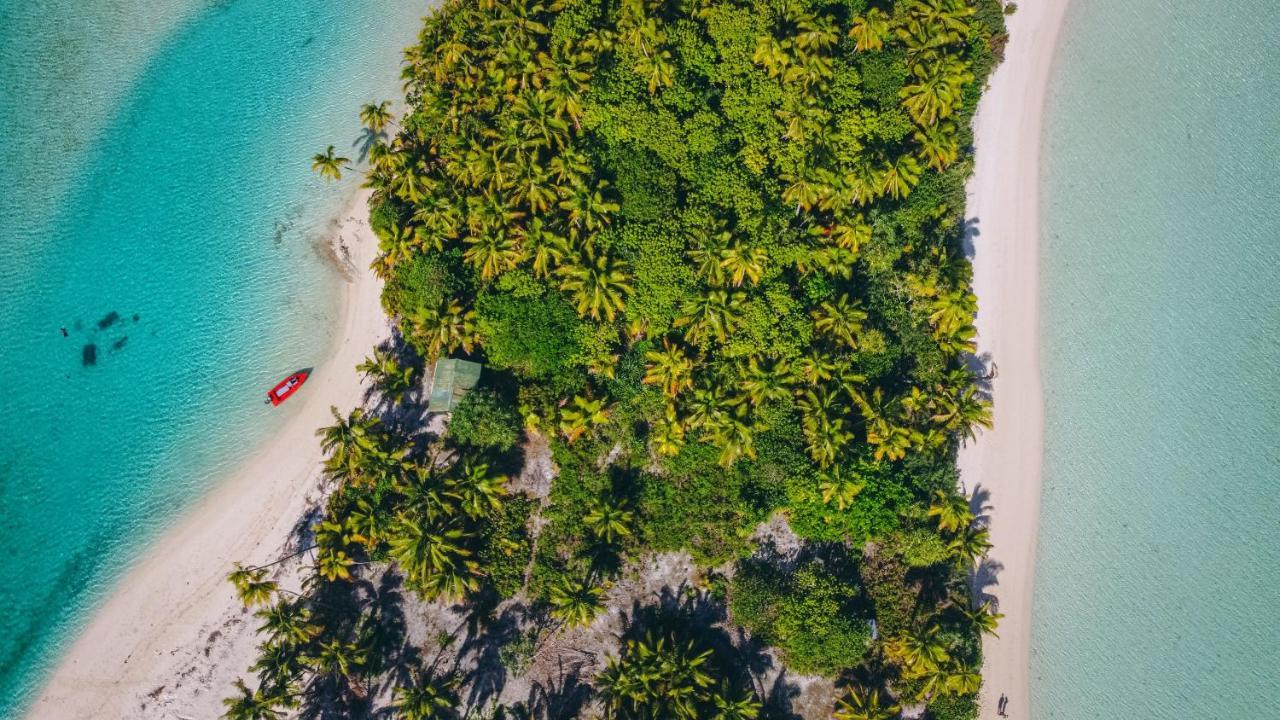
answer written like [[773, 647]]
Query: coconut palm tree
[[329, 165], [427, 698], [744, 262], [951, 510], [492, 253], [392, 380], [712, 315], [340, 661], [279, 667], [899, 176], [984, 618], [250, 705], [443, 329], [575, 601], [429, 552], [287, 621], [376, 116], [837, 488], [599, 286], [922, 650], [348, 441], [869, 30], [939, 146], [840, 320], [476, 491], [963, 680], [252, 585], [583, 414], [862, 703], [608, 519], [733, 704], [670, 369], [656, 677], [970, 544]]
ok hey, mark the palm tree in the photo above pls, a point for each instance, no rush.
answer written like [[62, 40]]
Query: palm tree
[[279, 666], [744, 262], [492, 253], [656, 677], [583, 414], [329, 165], [668, 433], [444, 328], [937, 88], [287, 621], [971, 543], [376, 116], [714, 314], [764, 384], [425, 551], [576, 601], [608, 519], [951, 510], [477, 492], [922, 651], [963, 680], [391, 380], [938, 145], [984, 618], [841, 320], [340, 661], [587, 209], [599, 287], [347, 441], [870, 30], [252, 585], [250, 705], [899, 176], [735, 705], [865, 704], [842, 490], [670, 369], [427, 698]]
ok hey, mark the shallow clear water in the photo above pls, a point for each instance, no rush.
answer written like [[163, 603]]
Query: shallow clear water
[[1159, 559], [157, 203]]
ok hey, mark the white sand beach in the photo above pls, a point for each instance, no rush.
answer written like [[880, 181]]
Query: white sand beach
[[171, 638], [1004, 463]]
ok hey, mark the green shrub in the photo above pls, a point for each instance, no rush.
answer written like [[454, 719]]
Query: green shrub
[[485, 421], [809, 615]]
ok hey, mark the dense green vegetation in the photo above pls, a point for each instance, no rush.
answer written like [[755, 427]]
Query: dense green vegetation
[[709, 252]]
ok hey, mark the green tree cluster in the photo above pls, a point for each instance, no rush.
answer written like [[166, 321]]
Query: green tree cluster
[[713, 249]]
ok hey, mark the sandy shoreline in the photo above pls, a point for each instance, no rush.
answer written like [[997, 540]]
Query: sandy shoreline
[[171, 637], [1005, 462]]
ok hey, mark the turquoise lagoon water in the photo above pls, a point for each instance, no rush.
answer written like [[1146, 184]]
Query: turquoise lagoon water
[[1158, 583], [156, 201]]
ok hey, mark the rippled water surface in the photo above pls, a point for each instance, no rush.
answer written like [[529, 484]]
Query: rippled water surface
[[1159, 575], [158, 206]]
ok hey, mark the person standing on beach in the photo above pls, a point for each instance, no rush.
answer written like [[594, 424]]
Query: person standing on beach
[[1002, 705]]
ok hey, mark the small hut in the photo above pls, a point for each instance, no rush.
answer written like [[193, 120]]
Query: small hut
[[450, 380]]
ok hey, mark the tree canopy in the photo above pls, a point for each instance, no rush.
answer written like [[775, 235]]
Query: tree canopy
[[711, 252]]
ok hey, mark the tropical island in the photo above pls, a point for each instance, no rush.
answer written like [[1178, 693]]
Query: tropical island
[[709, 255]]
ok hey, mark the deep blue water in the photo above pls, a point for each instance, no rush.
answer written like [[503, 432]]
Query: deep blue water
[[156, 201]]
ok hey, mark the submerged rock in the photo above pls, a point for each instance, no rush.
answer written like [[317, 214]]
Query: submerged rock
[[108, 320]]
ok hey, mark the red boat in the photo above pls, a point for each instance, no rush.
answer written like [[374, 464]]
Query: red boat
[[287, 387]]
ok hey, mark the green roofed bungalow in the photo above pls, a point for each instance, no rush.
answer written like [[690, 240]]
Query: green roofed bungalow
[[450, 380]]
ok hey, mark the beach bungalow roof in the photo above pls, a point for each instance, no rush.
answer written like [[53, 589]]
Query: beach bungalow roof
[[450, 380]]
